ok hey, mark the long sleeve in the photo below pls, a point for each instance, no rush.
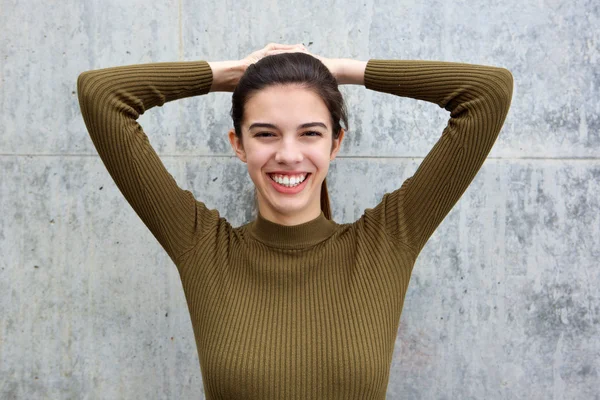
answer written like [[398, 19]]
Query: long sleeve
[[111, 101], [478, 98]]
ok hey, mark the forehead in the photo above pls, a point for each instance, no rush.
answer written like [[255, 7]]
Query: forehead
[[286, 106]]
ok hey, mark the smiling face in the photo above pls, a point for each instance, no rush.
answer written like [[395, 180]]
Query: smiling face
[[287, 145]]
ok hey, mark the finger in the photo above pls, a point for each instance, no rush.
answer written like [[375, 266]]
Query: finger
[[279, 46], [281, 51], [274, 52]]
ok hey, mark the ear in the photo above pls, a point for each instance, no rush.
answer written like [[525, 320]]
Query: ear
[[337, 144], [236, 145]]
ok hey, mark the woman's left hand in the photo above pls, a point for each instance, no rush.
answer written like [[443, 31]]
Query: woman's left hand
[[271, 49], [333, 64]]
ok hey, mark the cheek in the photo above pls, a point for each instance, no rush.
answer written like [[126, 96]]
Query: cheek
[[319, 156], [256, 158]]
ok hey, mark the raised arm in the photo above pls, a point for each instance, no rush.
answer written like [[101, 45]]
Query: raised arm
[[478, 98], [111, 101]]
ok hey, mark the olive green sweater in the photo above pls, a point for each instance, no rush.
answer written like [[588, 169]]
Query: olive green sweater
[[295, 312]]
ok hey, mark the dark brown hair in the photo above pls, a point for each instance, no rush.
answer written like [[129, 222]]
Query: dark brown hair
[[285, 69]]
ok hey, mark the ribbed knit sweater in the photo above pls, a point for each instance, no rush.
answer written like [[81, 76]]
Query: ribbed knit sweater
[[295, 312]]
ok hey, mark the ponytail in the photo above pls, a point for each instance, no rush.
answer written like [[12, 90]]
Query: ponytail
[[325, 204]]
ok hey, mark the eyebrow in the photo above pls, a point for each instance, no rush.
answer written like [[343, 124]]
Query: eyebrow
[[271, 126]]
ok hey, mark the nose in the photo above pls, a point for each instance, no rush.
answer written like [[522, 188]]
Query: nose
[[288, 152]]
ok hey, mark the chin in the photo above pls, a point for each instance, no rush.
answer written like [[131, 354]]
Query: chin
[[289, 208], [287, 205]]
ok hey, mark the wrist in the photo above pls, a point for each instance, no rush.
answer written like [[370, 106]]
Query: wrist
[[351, 72], [226, 75]]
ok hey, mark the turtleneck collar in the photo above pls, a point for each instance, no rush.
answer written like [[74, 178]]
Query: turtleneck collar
[[299, 236]]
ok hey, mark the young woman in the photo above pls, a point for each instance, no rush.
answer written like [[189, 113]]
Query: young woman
[[294, 305]]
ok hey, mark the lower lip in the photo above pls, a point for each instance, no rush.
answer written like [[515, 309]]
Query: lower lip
[[289, 190]]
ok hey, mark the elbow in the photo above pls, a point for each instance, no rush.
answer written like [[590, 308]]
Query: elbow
[[91, 89], [497, 90], [503, 91], [84, 81], [504, 82], [91, 85]]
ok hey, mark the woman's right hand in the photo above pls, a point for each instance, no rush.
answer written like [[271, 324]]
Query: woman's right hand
[[333, 64], [226, 74], [346, 71], [271, 49]]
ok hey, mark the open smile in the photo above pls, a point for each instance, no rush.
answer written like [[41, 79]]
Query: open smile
[[289, 184]]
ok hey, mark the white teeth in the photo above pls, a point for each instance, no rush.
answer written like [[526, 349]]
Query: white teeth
[[287, 180]]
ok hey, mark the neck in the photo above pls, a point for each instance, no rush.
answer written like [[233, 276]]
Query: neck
[[294, 237]]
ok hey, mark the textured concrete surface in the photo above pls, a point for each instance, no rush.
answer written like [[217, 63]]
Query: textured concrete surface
[[503, 302]]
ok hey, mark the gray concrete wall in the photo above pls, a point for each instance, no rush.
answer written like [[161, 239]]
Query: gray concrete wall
[[504, 300]]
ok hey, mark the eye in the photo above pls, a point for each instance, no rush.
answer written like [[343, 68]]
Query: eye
[[313, 133], [263, 134]]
